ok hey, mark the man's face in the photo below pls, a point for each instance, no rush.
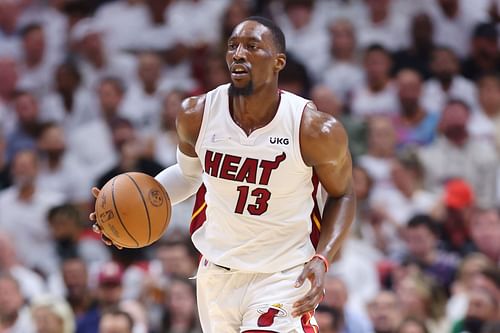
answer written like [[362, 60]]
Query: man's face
[[384, 312], [420, 241], [10, 298], [252, 57], [75, 278], [114, 324]]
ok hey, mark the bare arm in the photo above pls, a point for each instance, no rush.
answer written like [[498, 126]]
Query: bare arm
[[323, 143], [324, 147]]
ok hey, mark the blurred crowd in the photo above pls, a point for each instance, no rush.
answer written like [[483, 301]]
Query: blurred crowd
[[90, 89]]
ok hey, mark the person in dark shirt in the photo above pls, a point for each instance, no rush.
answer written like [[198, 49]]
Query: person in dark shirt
[[131, 153], [484, 56], [418, 55]]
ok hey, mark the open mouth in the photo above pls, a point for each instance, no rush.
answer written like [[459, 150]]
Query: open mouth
[[239, 71]]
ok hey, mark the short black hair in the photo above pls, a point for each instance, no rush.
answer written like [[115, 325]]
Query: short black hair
[[29, 28], [276, 32], [422, 220]]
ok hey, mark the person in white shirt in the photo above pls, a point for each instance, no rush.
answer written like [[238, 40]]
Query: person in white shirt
[[305, 30], [15, 316], [23, 214], [383, 26], [344, 73], [36, 70], [9, 23], [377, 95], [95, 61], [447, 83], [71, 104], [142, 101]]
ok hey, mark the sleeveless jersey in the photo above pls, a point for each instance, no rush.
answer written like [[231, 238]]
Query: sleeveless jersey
[[259, 192]]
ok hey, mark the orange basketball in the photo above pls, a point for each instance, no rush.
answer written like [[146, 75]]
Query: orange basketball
[[133, 210]]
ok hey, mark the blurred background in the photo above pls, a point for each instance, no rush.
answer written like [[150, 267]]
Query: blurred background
[[90, 89]]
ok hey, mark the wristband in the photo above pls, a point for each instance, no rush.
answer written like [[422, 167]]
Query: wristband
[[323, 258]]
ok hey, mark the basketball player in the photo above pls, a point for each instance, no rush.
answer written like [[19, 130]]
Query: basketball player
[[259, 153]]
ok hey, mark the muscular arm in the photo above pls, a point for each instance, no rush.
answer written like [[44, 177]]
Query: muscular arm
[[324, 147], [184, 178]]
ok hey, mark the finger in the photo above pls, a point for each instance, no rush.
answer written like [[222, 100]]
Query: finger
[[95, 192], [302, 310], [106, 240], [93, 216], [96, 228], [302, 277], [309, 297]]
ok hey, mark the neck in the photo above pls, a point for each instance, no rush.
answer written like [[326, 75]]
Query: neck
[[343, 55], [378, 16], [255, 111], [377, 85], [445, 83], [54, 162], [150, 88], [33, 61], [7, 320], [97, 59], [26, 192], [413, 115], [489, 111]]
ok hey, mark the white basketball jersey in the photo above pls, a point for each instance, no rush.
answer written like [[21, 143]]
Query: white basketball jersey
[[259, 192]]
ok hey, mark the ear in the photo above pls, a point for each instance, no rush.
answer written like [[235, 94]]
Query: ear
[[279, 62]]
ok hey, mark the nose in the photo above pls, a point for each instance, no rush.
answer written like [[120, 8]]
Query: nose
[[239, 54]]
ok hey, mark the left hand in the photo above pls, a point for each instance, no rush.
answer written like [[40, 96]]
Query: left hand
[[314, 270]]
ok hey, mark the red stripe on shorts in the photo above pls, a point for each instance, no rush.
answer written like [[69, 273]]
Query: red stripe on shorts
[[306, 323]]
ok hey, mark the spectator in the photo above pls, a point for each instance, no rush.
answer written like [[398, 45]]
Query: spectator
[[294, 77], [378, 94], [71, 104], [132, 157], [411, 325], [329, 319], [484, 55], [421, 237], [343, 74], [92, 143], [108, 295], [59, 170], [15, 317], [142, 101], [385, 312], [116, 321], [96, 62], [446, 82], [9, 24], [70, 238], [177, 258], [122, 23], [181, 315], [27, 204], [454, 154], [418, 55], [419, 297], [304, 30], [454, 21], [29, 282], [485, 122], [52, 315], [37, 68], [81, 299], [414, 125], [382, 26], [23, 135], [381, 151], [485, 232], [483, 308], [337, 297]]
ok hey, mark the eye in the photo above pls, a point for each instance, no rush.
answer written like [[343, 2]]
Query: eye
[[253, 46], [231, 45]]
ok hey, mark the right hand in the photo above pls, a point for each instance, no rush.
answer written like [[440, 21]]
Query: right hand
[[95, 226]]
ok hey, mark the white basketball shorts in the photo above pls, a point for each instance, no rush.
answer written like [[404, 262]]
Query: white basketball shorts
[[231, 301]]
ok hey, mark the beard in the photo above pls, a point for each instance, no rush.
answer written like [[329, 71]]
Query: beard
[[243, 91]]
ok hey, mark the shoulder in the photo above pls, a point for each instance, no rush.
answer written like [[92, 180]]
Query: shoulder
[[321, 135], [189, 118]]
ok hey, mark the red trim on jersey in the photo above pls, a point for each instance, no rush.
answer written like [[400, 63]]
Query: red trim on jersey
[[258, 331], [199, 210], [306, 323], [315, 214]]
